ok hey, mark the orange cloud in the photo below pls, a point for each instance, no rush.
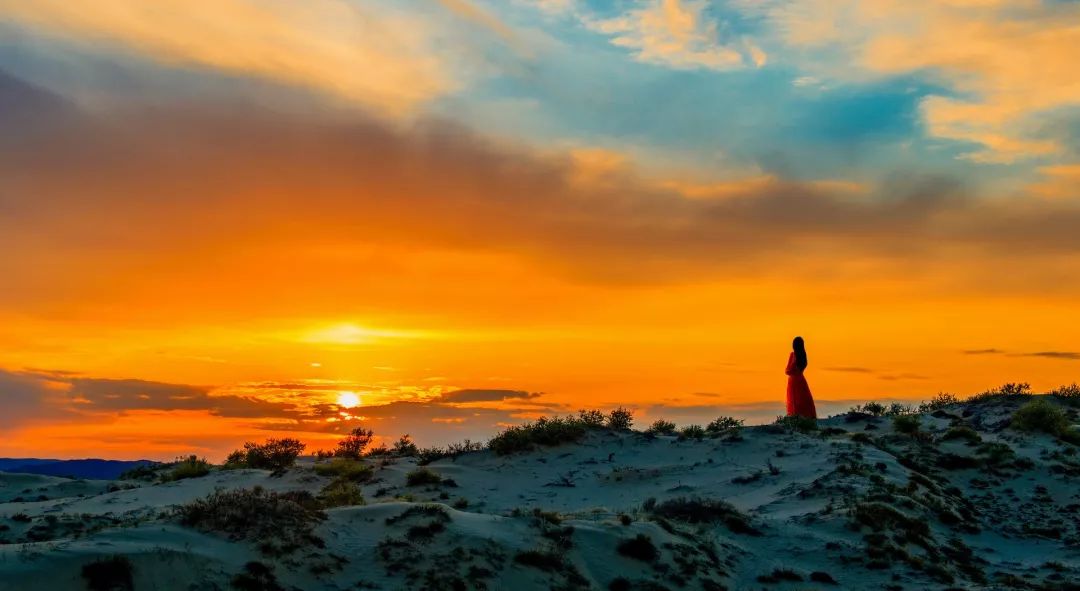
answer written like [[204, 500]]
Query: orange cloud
[[360, 52]]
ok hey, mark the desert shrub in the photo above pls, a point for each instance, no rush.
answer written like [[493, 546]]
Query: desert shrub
[[1072, 391], [592, 418], [189, 467], [874, 409], [797, 423], [275, 454], [341, 492], [543, 560], [377, 452], [250, 514], [881, 516], [353, 444], [620, 419], [698, 510], [109, 574], [144, 472], [463, 447], [428, 455], [1007, 390], [908, 424], [346, 469], [405, 447], [661, 427], [941, 401], [422, 476], [256, 576], [722, 424], [544, 431], [692, 432], [1040, 415], [966, 433], [640, 547], [996, 454]]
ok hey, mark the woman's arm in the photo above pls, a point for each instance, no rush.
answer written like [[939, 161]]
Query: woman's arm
[[790, 369]]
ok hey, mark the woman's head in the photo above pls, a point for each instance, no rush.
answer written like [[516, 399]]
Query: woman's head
[[799, 346]]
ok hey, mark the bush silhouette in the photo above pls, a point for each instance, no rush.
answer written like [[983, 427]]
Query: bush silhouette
[[190, 467], [640, 548], [109, 574], [405, 447], [353, 444], [661, 427], [620, 419], [692, 432], [274, 454], [591, 418], [345, 468], [252, 514], [422, 476], [723, 424], [907, 424], [544, 431], [1041, 415]]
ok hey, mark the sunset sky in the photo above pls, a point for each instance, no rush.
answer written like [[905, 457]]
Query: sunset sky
[[226, 220]]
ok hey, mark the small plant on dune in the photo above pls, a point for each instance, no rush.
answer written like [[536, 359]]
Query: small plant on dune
[[251, 514], [620, 419], [874, 409], [724, 425], [797, 423], [354, 444], [109, 574], [592, 418], [275, 454], [907, 424], [256, 576], [187, 467], [345, 468], [942, 401], [544, 431], [405, 447], [1008, 390], [146, 472], [1041, 415], [640, 547], [699, 510], [377, 452], [421, 477], [428, 455], [692, 432], [961, 432], [661, 427], [1068, 394], [341, 492]]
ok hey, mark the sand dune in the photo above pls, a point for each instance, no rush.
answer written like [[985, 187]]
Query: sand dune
[[963, 502]]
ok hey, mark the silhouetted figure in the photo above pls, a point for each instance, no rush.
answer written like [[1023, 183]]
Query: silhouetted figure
[[799, 400]]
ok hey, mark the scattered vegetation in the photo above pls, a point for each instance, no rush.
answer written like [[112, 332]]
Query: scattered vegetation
[[109, 574], [254, 514], [274, 455], [942, 401], [354, 444], [190, 467], [422, 476], [877, 409], [1071, 392], [724, 425], [661, 427], [341, 492], [1043, 416], [962, 432], [405, 447], [544, 431], [699, 510], [796, 423], [620, 419], [256, 576], [429, 454], [692, 432], [1007, 390], [345, 469], [640, 547], [907, 424], [144, 472], [593, 418]]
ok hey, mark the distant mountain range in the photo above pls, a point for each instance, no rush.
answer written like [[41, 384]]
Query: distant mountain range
[[88, 468]]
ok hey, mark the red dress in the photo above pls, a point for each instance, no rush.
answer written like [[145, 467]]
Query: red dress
[[799, 400]]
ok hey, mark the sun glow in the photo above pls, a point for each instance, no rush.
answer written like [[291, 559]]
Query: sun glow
[[348, 399]]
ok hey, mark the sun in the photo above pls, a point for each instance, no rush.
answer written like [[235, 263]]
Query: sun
[[348, 399]]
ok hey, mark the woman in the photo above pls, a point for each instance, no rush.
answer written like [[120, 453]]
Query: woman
[[799, 400]]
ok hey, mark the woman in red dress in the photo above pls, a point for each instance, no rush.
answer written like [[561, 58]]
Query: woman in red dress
[[799, 400]]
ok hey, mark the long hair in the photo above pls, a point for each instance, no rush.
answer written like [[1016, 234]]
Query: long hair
[[800, 352]]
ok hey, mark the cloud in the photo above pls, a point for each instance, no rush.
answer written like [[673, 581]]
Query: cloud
[[1001, 63], [360, 51], [983, 352], [1069, 355], [678, 34], [850, 369], [231, 180], [477, 395]]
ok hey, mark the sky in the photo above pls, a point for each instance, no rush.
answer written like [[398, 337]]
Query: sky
[[227, 220]]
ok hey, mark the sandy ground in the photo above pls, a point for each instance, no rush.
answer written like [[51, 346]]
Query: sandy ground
[[854, 505]]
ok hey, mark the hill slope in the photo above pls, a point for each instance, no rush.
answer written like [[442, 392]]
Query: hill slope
[[963, 501]]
